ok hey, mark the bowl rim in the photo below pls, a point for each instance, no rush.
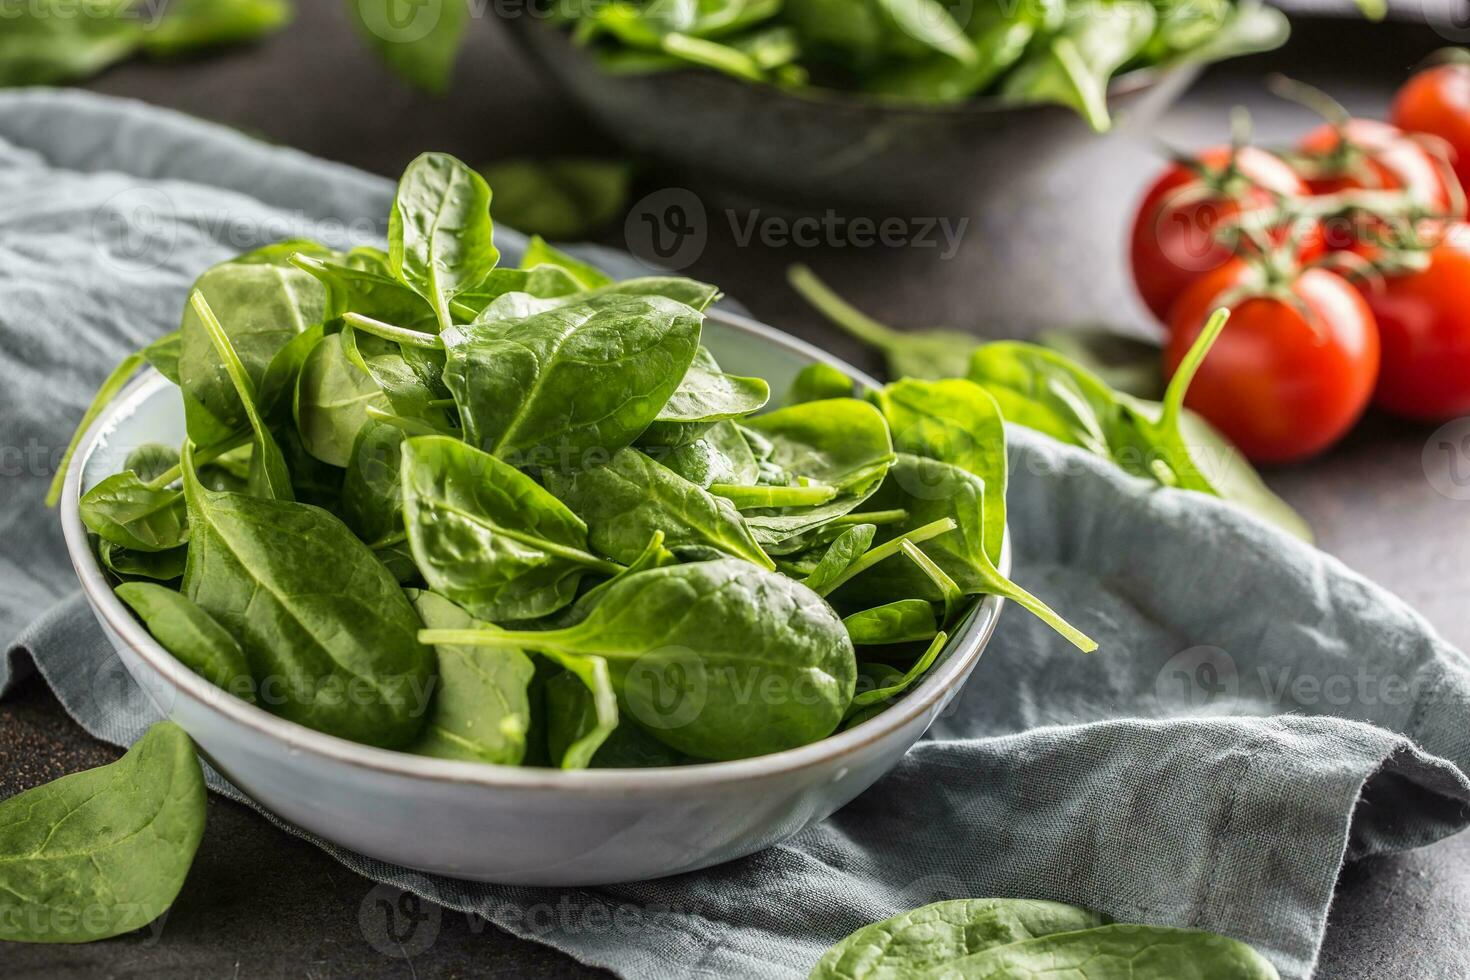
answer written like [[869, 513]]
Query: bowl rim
[[968, 641], [1123, 85]]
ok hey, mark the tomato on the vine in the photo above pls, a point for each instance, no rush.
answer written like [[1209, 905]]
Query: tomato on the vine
[[1437, 102], [1366, 154], [1174, 240], [1294, 367], [1423, 315]]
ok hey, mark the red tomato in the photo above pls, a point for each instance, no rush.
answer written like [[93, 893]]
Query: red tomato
[[1378, 157], [1424, 326], [1292, 370], [1173, 241], [1437, 101]]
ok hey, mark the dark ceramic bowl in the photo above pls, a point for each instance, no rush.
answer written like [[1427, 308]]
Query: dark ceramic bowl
[[813, 149]]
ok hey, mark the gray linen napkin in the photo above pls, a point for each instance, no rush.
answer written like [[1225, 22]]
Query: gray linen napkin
[[1257, 713]]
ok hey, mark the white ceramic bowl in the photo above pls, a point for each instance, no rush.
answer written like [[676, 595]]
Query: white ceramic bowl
[[504, 824]]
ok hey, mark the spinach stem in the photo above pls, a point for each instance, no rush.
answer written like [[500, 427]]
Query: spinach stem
[[747, 497], [998, 584], [387, 331], [1179, 384], [388, 541], [879, 517], [119, 377], [947, 586], [887, 550], [201, 456], [839, 310]]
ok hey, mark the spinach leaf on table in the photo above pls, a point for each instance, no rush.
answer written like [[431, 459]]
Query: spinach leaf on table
[[994, 938], [550, 389], [930, 937], [193, 636], [632, 497], [482, 708], [683, 642], [487, 536], [100, 853], [339, 655], [1134, 951]]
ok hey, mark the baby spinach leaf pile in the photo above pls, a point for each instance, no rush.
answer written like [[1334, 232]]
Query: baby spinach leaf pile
[[43, 42], [1005, 938], [521, 516], [930, 52], [1043, 389]]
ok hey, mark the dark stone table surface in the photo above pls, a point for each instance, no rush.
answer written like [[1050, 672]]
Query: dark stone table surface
[[261, 903]]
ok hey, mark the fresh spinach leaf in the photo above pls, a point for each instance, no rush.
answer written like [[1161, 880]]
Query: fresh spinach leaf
[[187, 25], [900, 621], [487, 536], [819, 382], [958, 422], [340, 656], [1074, 66], [551, 389], [688, 645], [840, 555], [372, 490], [581, 709], [540, 253], [261, 307], [102, 852], [632, 497], [928, 938], [129, 513], [440, 237], [114, 383], [706, 395], [482, 708], [268, 475], [332, 402], [193, 636], [841, 443], [129, 565]]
